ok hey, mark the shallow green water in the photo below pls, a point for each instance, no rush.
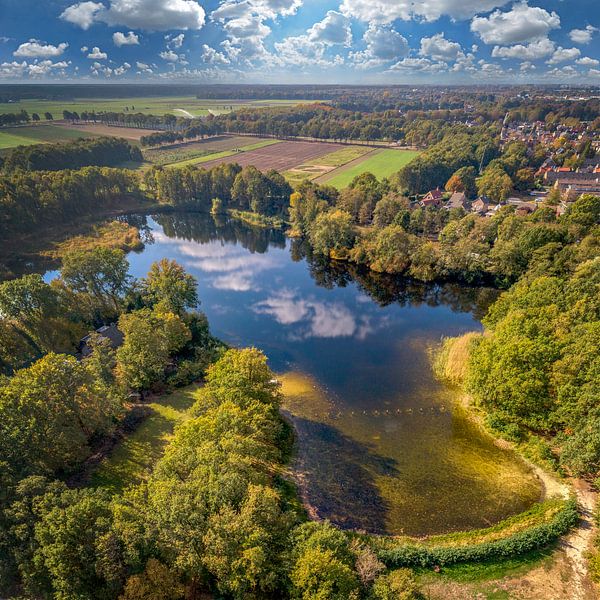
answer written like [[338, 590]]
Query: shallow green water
[[381, 444]]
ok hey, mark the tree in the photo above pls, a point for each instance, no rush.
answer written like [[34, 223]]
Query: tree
[[27, 299], [244, 548], [243, 376], [463, 180], [167, 287], [150, 340], [77, 548], [54, 399], [99, 272], [495, 184], [388, 210], [157, 582], [332, 234], [322, 564]]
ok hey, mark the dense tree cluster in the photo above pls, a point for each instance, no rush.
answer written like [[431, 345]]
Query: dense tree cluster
[[459, 148], [54, 411], [433, 243], [100, 152], [245, 189], [32, 199]]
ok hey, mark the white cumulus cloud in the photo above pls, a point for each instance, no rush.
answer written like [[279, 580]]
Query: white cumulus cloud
[[564, 55], [586, 61], [333, 29], [523, 23], [387, 11], [383, 45], [125, 39], [37, 49], [97, 54], [213, 57], [152, 15], [532, 51], [439, 48], [582, 36]]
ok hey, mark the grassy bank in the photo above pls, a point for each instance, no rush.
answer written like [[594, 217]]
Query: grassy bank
[[526, 532], [133, 459], [114, 235], [256, 219]]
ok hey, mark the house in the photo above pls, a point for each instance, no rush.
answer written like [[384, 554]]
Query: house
[[480, 206], [522, 207], [432, 198], [457, 200], [573, 187], [109, 332]]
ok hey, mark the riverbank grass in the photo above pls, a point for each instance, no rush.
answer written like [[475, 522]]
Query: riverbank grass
[[113, 235]]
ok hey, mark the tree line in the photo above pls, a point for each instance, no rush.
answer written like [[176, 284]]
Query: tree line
[[101, 152], [30, 200], [226, 186], [8, 119]]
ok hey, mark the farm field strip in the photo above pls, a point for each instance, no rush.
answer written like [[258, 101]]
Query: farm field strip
[[381, 163], [29, 135], [283, 156], [150, 105], [97, 129], [180, 152], [324, 164], [223, 154]]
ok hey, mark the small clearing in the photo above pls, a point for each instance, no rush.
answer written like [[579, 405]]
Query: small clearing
[[131, 460]]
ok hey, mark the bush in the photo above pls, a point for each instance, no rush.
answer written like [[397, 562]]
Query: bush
[[395, 585]]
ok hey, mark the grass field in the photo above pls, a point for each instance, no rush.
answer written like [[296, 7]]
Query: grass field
[[223, 154], [38, 134], [177, 105], [382, 163], [324, 164], [132, 460]]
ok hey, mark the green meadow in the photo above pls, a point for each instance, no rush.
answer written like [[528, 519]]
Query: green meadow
[[382, 163]]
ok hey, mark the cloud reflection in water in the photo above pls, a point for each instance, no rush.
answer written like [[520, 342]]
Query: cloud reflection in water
[[315, 318]]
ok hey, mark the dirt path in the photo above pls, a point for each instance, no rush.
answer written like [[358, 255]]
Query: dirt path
[[564, 576]]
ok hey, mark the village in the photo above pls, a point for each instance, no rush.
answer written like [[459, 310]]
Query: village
[[570, 169]]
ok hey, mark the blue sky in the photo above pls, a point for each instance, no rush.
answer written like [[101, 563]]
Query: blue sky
[[301, 41]]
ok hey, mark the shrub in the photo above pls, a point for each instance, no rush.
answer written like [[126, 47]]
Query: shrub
[[395, 585]]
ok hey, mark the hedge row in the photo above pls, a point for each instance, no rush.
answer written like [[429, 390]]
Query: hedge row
[[536, 536]]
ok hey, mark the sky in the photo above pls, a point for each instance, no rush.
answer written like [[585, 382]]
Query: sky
[[301, 41]]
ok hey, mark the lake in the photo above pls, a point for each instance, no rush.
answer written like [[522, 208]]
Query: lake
[[381, 445]]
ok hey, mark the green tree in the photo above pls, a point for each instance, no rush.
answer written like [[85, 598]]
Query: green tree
[[169, 288], [54, 399], [395, 585], [157, 582], [332, 234], [495, 184], [77, 549], [244, 548], [100, 272], [151, 338]]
